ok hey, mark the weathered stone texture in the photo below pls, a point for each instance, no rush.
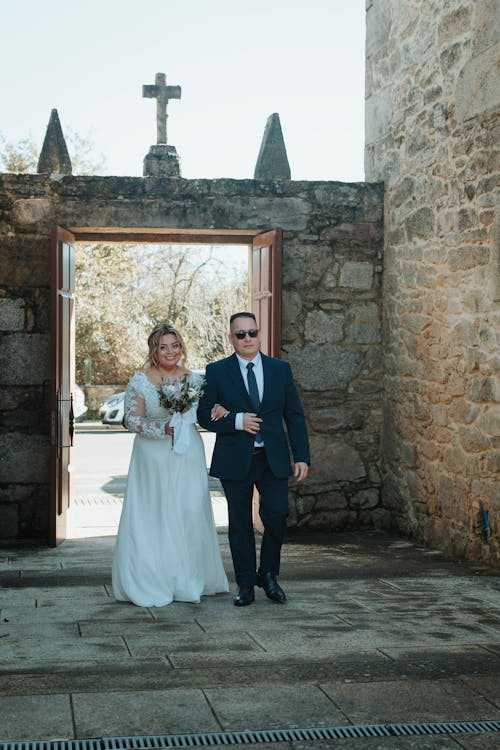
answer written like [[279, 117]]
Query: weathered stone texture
[[24, 359], [435, 143], [332, 267]]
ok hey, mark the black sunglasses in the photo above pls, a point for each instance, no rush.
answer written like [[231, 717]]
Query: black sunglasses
[[241, 334]]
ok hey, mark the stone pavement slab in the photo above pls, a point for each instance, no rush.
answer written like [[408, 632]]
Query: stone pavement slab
[[273, 707], [15, 651], [405, 701], [35, 717], [162, 711]]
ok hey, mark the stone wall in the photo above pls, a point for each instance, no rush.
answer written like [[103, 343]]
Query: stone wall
[[432, 96], [331, 321]]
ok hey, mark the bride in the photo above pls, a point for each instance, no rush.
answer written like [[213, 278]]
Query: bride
[[166, 548]]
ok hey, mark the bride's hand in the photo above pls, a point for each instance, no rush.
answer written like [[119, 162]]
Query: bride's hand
[[218, 412]]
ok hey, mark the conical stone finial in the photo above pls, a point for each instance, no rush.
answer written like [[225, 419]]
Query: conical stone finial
[[272, 161], [54, 155]]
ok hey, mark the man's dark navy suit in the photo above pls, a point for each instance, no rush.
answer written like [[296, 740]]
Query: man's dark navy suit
[[235, 463]]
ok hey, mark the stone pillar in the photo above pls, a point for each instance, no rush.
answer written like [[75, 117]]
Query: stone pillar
[[162, 161], [54, 156], [272, 161]]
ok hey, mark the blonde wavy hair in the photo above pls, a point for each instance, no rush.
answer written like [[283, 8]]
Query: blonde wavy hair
[[154, 338]]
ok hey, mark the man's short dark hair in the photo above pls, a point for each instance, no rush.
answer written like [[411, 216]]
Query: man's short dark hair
[[241, 315]]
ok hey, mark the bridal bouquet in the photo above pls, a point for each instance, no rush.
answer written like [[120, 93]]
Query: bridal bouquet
[[181, 397]]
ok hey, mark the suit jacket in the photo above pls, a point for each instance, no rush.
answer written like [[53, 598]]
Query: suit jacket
[[232, 454]]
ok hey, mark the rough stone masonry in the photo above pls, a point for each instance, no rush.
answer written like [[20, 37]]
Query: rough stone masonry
[[432, 135]]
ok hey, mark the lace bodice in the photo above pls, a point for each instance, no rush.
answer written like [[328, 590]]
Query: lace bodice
[[143, 413]]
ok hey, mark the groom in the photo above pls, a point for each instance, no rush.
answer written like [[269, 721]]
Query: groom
[[251, 449]]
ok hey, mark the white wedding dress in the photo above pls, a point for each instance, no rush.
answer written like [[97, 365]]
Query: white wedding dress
[[166, 548]]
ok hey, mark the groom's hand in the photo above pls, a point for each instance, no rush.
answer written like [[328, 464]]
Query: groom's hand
[[300, 470], [251, 423]]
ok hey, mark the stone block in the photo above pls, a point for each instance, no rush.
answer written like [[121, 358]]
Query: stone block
[[334, 460], [472, 440], [378, 25], [467, 219], [489, 422], [356, 275], [482, 389], [402, 191], [364, 324], [320, 368], [24, 359], [465, 257], [478, 85], [305, 268], [451, 57], [24, 260], [25, 458], [324, 328], [8, 521], [420, 224], [378, 117], [329, 520], [465, 333], [32, 211], [365, 499], [486, 28], [336, 419], [11, 314], [409, 455], [486, 491], [331, 501], [292, 307], [454, 25], [382, 519], [305, 504], [463, 412]]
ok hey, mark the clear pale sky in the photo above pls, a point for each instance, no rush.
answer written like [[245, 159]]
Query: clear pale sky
[[236, 61]]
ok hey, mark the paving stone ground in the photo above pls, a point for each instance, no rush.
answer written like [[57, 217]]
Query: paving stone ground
[[376, 630]]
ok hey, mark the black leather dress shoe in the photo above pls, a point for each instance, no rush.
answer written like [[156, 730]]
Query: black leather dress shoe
[[245, 595], [268, 582]]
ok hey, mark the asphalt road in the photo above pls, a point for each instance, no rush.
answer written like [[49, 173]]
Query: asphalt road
[[101, 458], [99, 473]]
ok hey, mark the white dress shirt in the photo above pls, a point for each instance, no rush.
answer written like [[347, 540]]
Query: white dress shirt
[[259, 377]]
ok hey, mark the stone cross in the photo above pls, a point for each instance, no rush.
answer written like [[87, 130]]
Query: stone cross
[[162, 93]]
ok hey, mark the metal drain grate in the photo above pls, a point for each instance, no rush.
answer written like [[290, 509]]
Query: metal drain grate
[[211, 739]]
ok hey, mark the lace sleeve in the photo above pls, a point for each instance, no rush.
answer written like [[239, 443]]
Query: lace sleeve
[[135, 415]]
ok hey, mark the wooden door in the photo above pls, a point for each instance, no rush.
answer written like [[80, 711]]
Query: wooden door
[[265, 292], [62, 333], [265, 284]]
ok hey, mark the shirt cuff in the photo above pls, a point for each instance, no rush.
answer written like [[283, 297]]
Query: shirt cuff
[[238, 422]]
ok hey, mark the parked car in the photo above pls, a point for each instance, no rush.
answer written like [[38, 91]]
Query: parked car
[[79, 406], [111, 411]]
